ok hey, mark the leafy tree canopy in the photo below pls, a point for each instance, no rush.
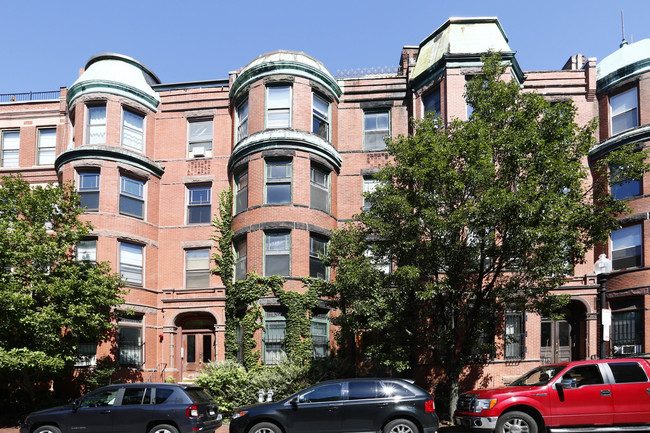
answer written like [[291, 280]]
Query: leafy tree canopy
[[49, 301], [478, 216]]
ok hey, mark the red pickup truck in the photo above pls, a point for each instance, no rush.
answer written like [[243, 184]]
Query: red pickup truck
[[580, 396]]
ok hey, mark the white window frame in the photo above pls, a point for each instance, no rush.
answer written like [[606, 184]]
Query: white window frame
[[268, 251], [197, 265], [623, 112], [200, 136], [46, 146], [132, 196], [131, 261], [199, 202], [369, 185], [10, 147], [278, 107], [242, 120], [95, 129], [375, 130], [132, 134], [321, 117], [87, 250]]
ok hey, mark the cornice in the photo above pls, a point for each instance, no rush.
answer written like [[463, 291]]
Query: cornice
[[109, 153]]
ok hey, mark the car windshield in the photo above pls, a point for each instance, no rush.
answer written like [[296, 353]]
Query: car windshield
[[538, 376]]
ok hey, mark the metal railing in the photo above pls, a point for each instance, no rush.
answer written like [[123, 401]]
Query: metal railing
[[30, 96], [160, 368]]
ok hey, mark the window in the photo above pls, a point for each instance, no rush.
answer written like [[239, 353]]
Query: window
[[321, 393], [130, 345], [131, 262], [197, 268], [375, 127], [627, 247], [46, 146], [627, 332], [10, 148], [132, 130], [240, 259], [431, 101], [96, 124], [136, 396], [514, 335], [131, 197], [274, 333], [320, 189], [89, 190], [320, 335], [277, 253], [623, 109], [199, 209], [241, 191], [87, 250], [584, 375], [382, 264], [86, 354], [200, 138], [628, 372], [278, 182], [362, 390], [626, 188], [317, 248], [105, 397], [321, 116], [278, 107], [242, 120], [369, 186]]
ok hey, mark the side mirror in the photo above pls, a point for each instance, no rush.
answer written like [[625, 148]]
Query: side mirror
[[568, 383], [76, 404], [294, 402]]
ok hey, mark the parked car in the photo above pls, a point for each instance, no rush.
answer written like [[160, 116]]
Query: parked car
[[348, 405], [596, 395], [131, 408]]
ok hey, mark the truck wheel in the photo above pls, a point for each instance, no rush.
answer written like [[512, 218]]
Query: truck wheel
[[265, 427], [516, 422], [400, 426]]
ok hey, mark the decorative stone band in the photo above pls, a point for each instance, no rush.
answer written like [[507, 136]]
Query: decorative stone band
[[110, 153]]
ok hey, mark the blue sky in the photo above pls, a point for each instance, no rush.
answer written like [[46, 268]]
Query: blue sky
[[44, 43]]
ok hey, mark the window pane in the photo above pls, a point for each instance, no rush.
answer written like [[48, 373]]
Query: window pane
[[241, 186], [278, 119], [97, 125], [278, 193], [131, 206], [46, 145], [10, 148], [628, 372], [87, 250], [132, 130], [201, 132], [131, 262], [330, 392], [626, 247], [362, 390], [431, 101], [240, 259], [624, 111], [242, 118], [279, 97]]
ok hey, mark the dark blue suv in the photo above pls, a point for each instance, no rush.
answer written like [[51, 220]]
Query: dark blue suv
[[347, 405], [131, 408]]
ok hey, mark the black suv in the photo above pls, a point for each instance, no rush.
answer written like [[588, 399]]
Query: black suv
[[347, 405], [131, 408]]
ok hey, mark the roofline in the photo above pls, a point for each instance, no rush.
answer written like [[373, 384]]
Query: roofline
[[464, 20], [115, 56]]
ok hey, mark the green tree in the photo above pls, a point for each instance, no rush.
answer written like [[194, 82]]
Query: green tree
[[478, 217], [49, 301]]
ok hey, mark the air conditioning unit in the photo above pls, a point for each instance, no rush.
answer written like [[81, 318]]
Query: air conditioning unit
[[625, 349], [198, 151]]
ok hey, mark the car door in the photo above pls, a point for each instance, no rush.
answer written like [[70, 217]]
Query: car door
[[95, 411], [317, 409], [362, 406], [583, 398], [132, 414], [631, 393]]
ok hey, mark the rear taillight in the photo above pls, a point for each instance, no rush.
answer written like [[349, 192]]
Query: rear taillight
[[429, 406], [192, 411]]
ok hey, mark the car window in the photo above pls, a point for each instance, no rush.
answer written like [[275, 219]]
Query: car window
[[628, 372], [162, 394], [99, 399], [395, 389], [538, 377], [362, 390], [584, 375], [328, 392], [199, 395], [135, 396]]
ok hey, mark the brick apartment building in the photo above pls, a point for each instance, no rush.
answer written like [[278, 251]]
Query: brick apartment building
[[299, 147]]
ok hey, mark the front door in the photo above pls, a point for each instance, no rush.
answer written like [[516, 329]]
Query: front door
[[197, 349], [556, 341]]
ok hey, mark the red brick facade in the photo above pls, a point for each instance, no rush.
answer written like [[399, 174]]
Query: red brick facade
[[170, 149]]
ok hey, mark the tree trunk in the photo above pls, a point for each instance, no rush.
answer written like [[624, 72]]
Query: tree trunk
[[453, 397]]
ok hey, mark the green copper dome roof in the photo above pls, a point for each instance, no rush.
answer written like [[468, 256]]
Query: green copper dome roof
[[628, 61]]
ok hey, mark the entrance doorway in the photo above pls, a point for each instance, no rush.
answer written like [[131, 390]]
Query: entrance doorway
[[565, 339], [197, 345]]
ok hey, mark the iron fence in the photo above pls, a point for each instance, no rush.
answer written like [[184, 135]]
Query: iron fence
[[29, 96]]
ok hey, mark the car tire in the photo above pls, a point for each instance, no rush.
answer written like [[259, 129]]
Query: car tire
[[516, 422], [164, 428], [265, 427], [400, 426], [47, 429]]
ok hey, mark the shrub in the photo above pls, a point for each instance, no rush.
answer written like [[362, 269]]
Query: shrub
[[229, 384]]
